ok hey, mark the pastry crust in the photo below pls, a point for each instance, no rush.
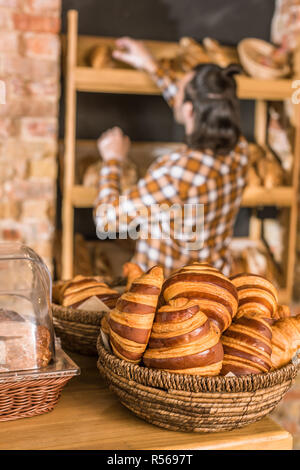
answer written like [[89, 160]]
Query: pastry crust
[[130, 322], [183, 340], [216, 294], [247, 345], [131, 271], [285, 341]]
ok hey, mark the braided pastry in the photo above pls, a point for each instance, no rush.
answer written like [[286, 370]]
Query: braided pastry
[[247, 345], [256, 294], [131, 271], [73, 293], [285, 341], [130, 322], [216, 294], [183, 340]]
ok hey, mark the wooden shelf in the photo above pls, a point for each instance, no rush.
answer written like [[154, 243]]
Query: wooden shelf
[[83, 196]]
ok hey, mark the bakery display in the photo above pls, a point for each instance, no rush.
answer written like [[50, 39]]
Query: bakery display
[[130, 322], [285, 340], [128, 176], [183, 340], [216, 294], [255, 294], [75, 292], [247, 345], [131, 271]]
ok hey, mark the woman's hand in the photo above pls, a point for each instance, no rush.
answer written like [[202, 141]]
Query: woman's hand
[[135, 53], [113, 145]]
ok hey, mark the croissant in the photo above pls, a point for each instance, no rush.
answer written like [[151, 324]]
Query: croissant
[[183, 340], [282, 311], [216, 295], [130, 322], [105, 324], [285, 340], [247, 345], [73, 293], [131, 271], [256, 294]]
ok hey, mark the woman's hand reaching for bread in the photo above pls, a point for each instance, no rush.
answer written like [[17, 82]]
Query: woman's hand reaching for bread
[[135, 53], [113, 144]]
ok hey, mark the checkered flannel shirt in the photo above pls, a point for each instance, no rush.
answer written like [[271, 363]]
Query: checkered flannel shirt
[[183, 177]]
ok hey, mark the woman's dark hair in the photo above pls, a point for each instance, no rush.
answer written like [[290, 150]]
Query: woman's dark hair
[[212, 91]]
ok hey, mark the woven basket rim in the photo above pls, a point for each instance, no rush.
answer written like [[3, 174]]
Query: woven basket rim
[[162, 379], [88, 317]]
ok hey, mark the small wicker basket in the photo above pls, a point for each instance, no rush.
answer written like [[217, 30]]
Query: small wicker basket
[[30, 393], [192, 403]]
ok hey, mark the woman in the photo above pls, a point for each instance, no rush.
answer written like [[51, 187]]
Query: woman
[[210, 172]]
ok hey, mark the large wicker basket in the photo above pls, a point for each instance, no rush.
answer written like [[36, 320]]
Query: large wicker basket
[[192, 403], [31, 393]]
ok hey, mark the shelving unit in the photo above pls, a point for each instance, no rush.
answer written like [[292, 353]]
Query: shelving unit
[[81, 77]]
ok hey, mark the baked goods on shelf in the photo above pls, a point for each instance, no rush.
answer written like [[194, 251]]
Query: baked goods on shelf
[[101, 56], [130, 322], [131, 271], [285, 340], [216, 52], [183, 340], [77, 291], [128, 176], [255, 294], [216, 294], [247, 345]]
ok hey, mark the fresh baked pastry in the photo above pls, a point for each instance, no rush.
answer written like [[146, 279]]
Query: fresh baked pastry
[[285, 341], [105, 324], [282, 311], [183, 340], [130, 322], [216, 294], [131, 271], [256, 294], [247, 345], [73, 293]]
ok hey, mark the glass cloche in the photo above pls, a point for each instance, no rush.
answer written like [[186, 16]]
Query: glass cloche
[[26, 328]]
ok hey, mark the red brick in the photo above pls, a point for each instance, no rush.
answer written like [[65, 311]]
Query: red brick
[[35, 208], [28, 68], [42, 6], [7, 127], [41, 24], [6, 20], [20, 190], [48, 88], [14, 149], [31, 107], [9, 3], [41, 45], [9, 41], [38, 128]]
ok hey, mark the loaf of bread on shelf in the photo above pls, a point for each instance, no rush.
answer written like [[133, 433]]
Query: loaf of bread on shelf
[[255, 294], [217, 54], [247, 345], [127, 179], [131, 271], [183, 340], [23, 345], [130, 322], [285, 340], [216, 294], [252, 177], [76, 291], [100, 57], [270, 171]]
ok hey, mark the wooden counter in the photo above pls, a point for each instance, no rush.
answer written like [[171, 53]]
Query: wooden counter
[[89, 416]]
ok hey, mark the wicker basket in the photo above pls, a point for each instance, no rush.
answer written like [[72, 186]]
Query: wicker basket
[[192, 403], [32, 393], [247, 50]]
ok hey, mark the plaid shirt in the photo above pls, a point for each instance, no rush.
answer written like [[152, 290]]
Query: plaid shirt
[[184, 177]]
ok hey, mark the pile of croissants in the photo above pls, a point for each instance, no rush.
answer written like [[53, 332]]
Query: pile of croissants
[[199, 322]]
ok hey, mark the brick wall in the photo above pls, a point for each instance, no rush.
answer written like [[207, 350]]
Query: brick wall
[[29, 66]]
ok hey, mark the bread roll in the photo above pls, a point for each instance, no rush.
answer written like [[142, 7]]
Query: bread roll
[[247, 345], [216, 295], [285, 341], [100, 56], [130, 322], [183, 340], [255, 294]]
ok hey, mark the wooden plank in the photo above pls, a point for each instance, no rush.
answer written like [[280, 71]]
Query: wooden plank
[[88, 416], [253, 196]]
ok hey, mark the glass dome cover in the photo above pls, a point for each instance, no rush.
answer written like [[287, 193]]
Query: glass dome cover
[[26, 328]]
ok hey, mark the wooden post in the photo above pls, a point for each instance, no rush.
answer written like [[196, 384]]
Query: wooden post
[[69, 156], [260, 122]]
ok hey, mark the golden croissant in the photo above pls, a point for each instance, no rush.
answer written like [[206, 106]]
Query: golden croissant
[[216, 295], [256, 294], [285, 340], [74, 292], [184, 340], [247, 345], [130, 322], [131, 271]]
